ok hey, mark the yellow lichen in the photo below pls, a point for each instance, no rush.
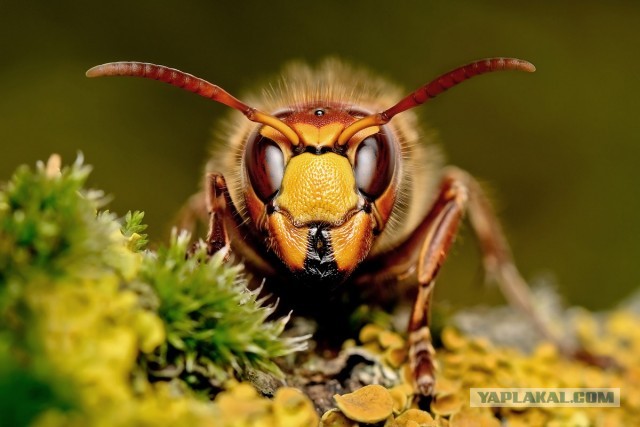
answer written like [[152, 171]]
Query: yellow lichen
[[150, 331], [395, 357], [452, 339], [471, 418], [239, 404], [392, 340], [335, 418], [370, 404], [291, 408], [415, 417], [400, 399], [370, 333], [447, 405], [445, 386]]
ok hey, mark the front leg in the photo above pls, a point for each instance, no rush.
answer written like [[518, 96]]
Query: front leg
[[425, 251], [228, 232], [209, 206], [422, 254], [439, 229], [217, 239]]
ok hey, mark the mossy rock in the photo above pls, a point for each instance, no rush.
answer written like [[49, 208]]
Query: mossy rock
[[97, 330]]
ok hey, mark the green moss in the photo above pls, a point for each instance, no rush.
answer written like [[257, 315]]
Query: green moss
[[132, 228], [48, 224], [26, 390], [88, 316], [212, 321]]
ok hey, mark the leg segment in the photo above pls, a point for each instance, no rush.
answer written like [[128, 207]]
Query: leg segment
[[226, 231], [217, 237], [443, 221], [426, 249]]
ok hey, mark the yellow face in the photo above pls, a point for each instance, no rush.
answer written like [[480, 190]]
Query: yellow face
[[318, 204]]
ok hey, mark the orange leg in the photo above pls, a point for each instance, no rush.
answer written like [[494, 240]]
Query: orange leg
[[217, 237], [443, 220], [226, 230], [427, 248]]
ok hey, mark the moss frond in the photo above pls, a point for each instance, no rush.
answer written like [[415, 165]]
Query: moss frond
[[133, 228], [48, 223], [212, 320]]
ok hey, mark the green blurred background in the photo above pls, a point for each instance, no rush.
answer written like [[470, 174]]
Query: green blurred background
[[559, 148]]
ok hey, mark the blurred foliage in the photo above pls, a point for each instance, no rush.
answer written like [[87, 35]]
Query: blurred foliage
[[27, 391], [79, 332], [46, 228]]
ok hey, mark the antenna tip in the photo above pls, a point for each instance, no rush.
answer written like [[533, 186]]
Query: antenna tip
[[527, 66], [93, 71]]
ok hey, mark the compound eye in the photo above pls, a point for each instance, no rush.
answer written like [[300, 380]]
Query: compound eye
[[265, 166], [374, 165]]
